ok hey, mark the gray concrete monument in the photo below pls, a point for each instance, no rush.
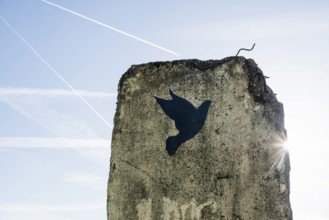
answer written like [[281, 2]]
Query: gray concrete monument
[[198, 140]]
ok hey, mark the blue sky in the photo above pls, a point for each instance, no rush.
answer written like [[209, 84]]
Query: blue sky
[[54, 149]]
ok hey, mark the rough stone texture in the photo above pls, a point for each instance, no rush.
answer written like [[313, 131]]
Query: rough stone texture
[[234, 168]]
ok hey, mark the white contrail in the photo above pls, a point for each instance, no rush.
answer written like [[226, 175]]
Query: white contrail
[[110, 27], [52, 92], [55, 72], [53, 142]]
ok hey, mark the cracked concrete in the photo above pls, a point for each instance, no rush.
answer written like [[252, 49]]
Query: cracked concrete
[[234, 168]]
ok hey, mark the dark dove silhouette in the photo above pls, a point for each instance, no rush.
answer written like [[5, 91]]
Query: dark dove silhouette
[[188, 119]]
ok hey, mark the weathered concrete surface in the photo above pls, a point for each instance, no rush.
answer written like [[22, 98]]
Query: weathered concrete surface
[[234, 168]]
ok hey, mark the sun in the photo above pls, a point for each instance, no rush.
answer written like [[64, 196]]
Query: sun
[[280, 153]]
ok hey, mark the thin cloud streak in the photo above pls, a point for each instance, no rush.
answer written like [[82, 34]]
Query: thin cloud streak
[[47, 115], [110, 27], [49, 208], [37, 109], [30, 116], [55, 72], [53, 142], [52, 92], [86, 179]]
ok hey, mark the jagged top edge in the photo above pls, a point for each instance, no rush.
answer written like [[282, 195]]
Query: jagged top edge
[[194, 63], [257, 87]]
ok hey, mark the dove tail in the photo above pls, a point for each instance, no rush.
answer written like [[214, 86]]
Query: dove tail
[[173, 143]]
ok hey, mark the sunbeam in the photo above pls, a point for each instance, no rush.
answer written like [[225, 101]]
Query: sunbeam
[[280, 154]]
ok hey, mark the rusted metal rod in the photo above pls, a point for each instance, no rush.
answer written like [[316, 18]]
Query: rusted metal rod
[[245, 49]]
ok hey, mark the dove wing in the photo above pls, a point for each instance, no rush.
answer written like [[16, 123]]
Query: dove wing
[[167, 106], [182, 103]]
